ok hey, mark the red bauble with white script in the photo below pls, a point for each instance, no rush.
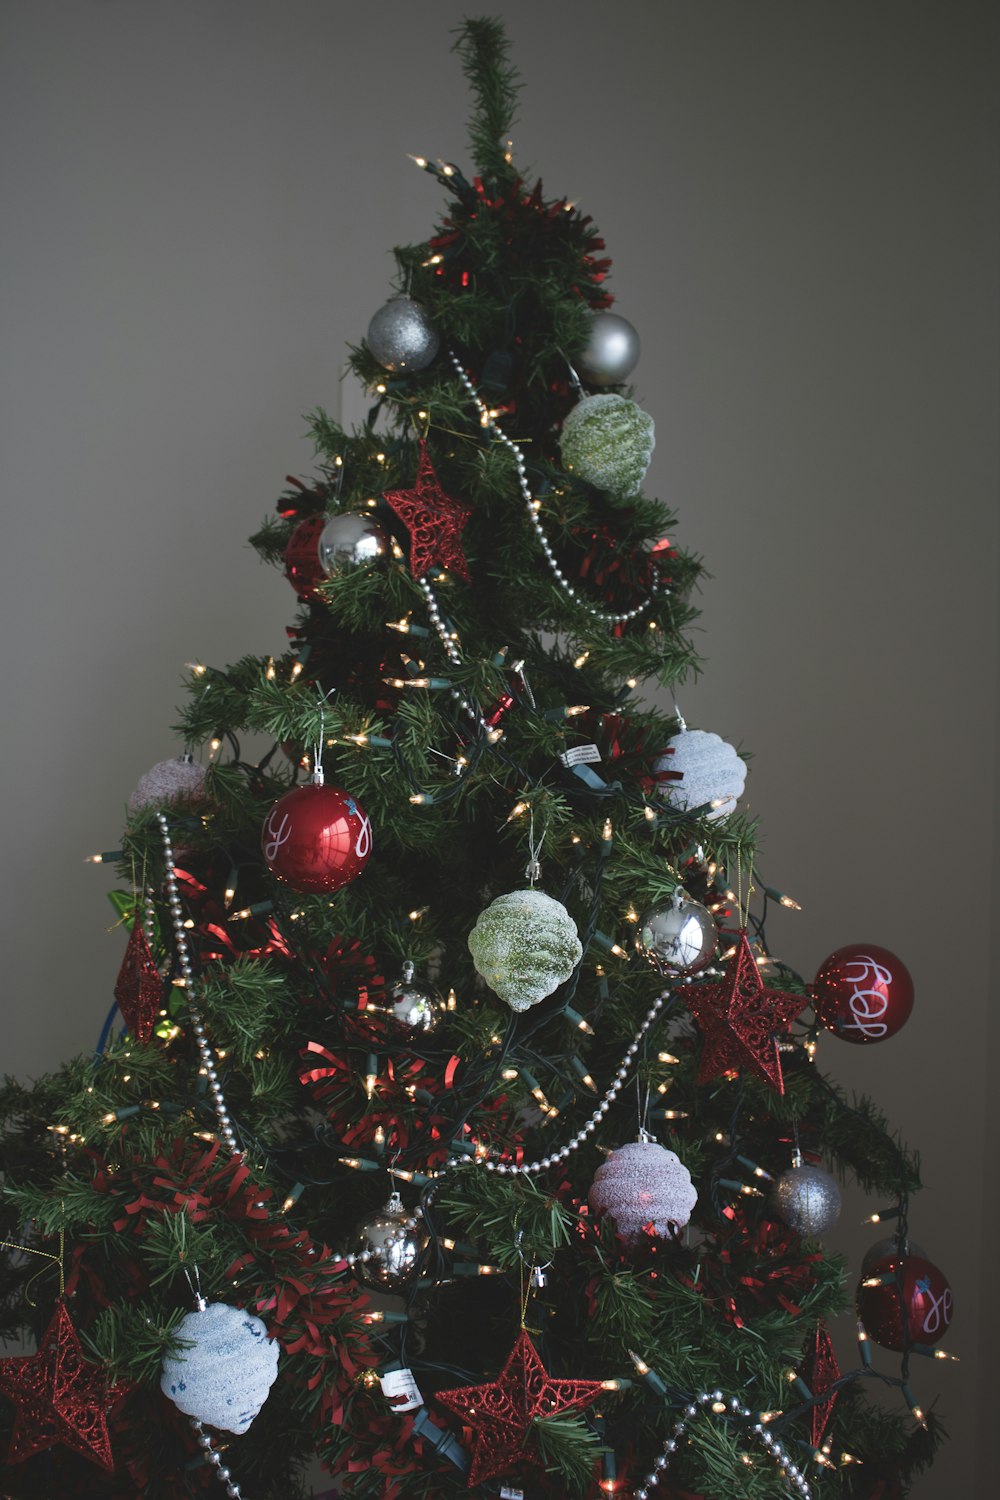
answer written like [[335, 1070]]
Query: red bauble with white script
[[302, 565], [862, 993], [316, 838], [926, 1298]]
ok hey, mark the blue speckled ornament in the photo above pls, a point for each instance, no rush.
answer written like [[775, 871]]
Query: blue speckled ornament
[[226, 1370]]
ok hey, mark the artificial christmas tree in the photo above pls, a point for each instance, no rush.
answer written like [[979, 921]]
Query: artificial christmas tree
[[462, 683]]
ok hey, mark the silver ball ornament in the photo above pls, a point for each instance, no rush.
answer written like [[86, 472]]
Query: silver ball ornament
[[807, 1199], [413, 1006], [348, 541], [678, 938], [393, 1248], [612, 350], [402, 337]]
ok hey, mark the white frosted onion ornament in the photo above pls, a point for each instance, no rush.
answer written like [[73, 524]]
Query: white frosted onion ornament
[[643, 1183], [179, 780], [712, 774], [224, 1374], [525, 945], [608, 440]]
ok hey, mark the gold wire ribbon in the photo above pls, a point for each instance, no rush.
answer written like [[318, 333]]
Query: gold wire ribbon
[[46, 1255]]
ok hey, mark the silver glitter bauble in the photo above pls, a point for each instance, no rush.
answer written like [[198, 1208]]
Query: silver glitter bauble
[[224, 1374], [608, 441], [612, 351], [180, 780], [712, 774], [395, 1248], [807, 1199], [413, 1006], [402, 337], [643, 1183], [351, 540], [679, 937], [524, 945]]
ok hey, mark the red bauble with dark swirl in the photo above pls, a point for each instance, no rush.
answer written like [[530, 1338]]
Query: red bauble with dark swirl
[[302, 565], [862, 993], [926, 1299], [316, 838]]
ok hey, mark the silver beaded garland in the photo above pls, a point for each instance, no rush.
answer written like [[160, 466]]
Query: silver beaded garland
[[402, 337], [609, 617], [212, 1456], [187, 971], [710, 1399]]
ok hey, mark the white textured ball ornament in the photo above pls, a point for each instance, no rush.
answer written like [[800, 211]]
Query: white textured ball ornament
[[643, 1183], [224, 1375], [179, 780], [608, 441], [402, 337], [807, 1199], [611, 352], [524, 945], [713, 774]]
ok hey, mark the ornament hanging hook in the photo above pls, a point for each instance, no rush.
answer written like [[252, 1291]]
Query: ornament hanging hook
[[574, 378]]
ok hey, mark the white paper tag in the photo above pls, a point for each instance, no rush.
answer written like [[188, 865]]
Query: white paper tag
[[507, 1493], [580, 755], [401, 1389]]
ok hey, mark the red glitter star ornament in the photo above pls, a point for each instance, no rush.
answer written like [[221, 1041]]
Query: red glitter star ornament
[[434, 520], [60, 1398], [739, 1017], [139, 988], [500, 1413], [821, 1370]]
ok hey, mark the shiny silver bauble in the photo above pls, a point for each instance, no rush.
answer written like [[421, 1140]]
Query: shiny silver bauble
[[351, 540], [402, 337], [807, 1199], [679, 937], [413, 1005], [394, 1246], [612, 350]]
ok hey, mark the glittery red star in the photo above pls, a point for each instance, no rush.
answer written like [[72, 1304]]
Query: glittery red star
[[739, 1017], [434, 520], [820, 1371], [500, 1414], [139, 988], [60, 1398]]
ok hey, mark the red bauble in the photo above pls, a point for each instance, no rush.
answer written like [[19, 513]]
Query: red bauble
[[926, 1297], [863, 993], [302, 565], [139, 988], [316, 838]]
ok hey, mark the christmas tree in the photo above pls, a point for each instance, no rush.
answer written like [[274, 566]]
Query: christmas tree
[[463, 1133]]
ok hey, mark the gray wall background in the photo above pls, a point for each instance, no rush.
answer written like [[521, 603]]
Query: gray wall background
[[801, 204]]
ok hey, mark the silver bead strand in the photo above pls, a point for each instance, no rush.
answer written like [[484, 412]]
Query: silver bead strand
[[198, 1025], [609, 617], [452, 653], [214, 1457], [791, 1472], [532, 1168]]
